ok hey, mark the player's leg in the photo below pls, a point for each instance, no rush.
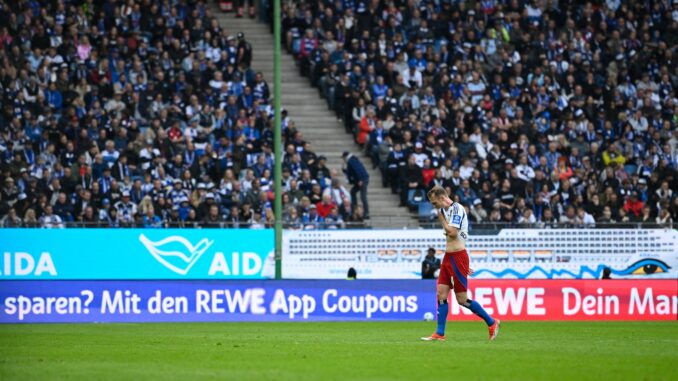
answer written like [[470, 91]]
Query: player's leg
[[460, 265], [443, 308], [475, 307], [442, 292]]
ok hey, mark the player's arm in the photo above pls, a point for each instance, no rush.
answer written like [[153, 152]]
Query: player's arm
[[450, 230]]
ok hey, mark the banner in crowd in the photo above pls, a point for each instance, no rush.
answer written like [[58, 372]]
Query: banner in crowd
[[136, 254], [509, 254], [203, 301]]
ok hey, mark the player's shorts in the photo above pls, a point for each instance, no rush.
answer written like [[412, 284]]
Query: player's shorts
[[454, 270]]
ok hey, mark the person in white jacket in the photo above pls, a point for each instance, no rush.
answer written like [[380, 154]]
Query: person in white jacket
[[337, 191], [484, 146], [524, 171], [638, 122]]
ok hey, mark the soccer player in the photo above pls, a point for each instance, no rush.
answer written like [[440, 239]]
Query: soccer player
[[455, 267]]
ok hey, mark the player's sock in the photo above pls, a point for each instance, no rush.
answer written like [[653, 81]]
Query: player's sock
[[477, 309], [442, 316]]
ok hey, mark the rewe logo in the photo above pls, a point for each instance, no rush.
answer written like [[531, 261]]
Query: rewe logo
[[175, 252]]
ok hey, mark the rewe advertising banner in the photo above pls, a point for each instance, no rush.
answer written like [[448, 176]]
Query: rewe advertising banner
[[188, 301], [48, 254], [573, 300]]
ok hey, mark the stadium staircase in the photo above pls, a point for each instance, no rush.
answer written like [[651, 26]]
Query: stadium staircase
[[318, 125]]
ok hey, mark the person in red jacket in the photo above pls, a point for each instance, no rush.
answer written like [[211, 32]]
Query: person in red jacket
[[367, 124], [563, 169], [633, 206], [325, 206]]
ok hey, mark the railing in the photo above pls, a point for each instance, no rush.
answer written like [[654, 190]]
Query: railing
[[377, 222]]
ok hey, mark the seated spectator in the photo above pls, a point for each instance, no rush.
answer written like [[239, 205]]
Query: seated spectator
[[611, 156], [50, 220], [334, 220], [357, 219], [257, 222], [151, 220], [11, 220], [633, 206], [527, 217], [466, 195], [233, 220], [412, 181], [312, 220], [325, 206], [664, 218], [292, 220], [646, 215], [213, 219], [584, 218]]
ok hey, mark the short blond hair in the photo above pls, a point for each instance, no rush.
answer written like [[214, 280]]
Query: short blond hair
[[436, 191]]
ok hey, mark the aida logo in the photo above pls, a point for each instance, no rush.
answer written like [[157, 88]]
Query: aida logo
[[175, 252], [179, 255]]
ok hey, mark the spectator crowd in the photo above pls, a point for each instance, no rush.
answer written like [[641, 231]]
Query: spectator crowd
[[525, 111], [145, 113]]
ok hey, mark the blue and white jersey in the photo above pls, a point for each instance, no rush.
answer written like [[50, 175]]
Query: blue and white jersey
[[455, 215]]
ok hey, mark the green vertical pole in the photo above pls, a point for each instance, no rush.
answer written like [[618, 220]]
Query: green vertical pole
[[277, 139]]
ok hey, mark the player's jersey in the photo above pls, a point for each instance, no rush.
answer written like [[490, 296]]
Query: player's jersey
[[455, 215]]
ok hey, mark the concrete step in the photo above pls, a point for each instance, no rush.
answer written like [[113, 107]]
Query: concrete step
[[318, 125]]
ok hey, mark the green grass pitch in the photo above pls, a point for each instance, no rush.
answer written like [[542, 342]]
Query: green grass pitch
[[339, 351]]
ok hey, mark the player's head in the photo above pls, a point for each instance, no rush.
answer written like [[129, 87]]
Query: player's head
[[437, 196]]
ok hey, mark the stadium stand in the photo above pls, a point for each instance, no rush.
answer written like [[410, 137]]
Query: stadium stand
[[526, 111], [147, 114]]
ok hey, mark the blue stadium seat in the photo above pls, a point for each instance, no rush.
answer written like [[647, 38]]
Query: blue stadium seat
[[424, 210]]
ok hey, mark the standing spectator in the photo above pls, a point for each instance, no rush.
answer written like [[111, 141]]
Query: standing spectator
[[359, 178]]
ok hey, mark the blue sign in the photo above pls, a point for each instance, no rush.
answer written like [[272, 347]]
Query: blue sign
[[197, 301], [136, 254]]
